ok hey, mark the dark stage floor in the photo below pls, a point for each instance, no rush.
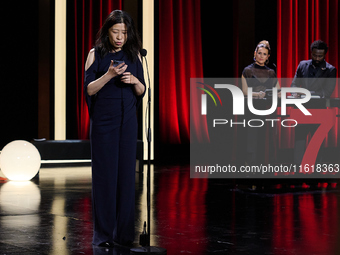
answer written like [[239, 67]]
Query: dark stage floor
[[190, 216]]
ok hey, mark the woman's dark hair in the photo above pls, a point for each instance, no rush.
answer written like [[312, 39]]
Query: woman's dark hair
[[133, 43], [320, 45]]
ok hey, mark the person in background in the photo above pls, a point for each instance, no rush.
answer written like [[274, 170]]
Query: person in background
[[318, 68], [258, 75], [261, 78], [318, 77]]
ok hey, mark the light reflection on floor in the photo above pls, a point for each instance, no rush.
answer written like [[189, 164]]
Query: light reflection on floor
[[52, 215]]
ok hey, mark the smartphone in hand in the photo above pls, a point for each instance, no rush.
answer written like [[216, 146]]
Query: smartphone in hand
[[117, 62]]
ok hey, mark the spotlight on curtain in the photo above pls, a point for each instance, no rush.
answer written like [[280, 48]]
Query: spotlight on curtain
[[180, 58]]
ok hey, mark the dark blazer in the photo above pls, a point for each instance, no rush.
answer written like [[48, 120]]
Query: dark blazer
[[320, 84]]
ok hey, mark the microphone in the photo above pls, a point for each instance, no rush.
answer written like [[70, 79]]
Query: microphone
[[143, 52]]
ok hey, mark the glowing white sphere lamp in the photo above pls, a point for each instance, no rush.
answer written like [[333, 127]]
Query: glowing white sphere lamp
[[20, 161]]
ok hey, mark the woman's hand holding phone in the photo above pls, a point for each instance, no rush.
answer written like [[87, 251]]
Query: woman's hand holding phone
[[116, 69]]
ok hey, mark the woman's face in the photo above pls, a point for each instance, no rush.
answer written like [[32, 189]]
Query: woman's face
[[117, 35], [261, 56]]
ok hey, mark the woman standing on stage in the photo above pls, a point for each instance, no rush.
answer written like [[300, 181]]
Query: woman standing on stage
[[260, 77], [114, 85]]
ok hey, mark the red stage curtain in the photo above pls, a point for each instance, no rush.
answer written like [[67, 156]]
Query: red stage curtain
[[299, 23], [180, 58], [88, 19]]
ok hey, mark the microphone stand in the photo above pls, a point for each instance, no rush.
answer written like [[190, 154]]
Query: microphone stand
[[145, 236]]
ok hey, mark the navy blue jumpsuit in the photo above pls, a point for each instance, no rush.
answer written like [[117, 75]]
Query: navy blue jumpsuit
[[113, 134]]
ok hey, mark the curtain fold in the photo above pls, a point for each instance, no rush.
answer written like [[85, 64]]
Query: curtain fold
[[89, 17], [180, 58], [299, 23]]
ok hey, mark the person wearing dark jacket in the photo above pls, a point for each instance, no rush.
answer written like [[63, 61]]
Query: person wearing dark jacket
[[319, 77], [316, 70]]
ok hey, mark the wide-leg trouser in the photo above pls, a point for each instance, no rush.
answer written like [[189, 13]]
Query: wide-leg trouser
[[113, 146]]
